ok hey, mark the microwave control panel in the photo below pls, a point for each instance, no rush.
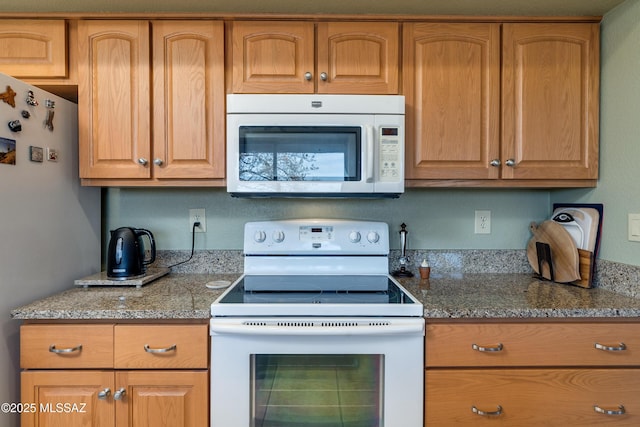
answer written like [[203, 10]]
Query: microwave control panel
[[390, 152]]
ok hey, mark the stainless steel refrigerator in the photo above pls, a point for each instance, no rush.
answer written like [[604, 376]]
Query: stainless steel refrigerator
[[49, 225]]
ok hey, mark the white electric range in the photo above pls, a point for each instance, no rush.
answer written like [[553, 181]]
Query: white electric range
[[316, 332]]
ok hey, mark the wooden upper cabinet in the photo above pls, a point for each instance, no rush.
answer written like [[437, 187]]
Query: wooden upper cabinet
[[286, 57], [272, 57], [358, 57], [31, 48], [118, 145], [532, 120], [114, 99], [189, 99], [550, 100], [452, 90]]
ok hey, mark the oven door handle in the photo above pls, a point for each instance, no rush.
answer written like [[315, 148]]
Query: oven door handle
[[316, 328]]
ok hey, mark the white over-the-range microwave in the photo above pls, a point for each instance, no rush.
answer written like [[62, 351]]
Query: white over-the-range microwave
[[315, 145]]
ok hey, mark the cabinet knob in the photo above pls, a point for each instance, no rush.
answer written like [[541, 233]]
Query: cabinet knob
[[158, 162], [104, 393], [308, 76], [510, 162], [119, 394], [495, 162], [323, 76], [143, 161]]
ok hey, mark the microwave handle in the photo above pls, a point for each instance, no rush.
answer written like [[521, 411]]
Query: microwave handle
[[369, 154]]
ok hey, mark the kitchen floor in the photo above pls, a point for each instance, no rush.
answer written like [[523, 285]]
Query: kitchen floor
[[317, 391]]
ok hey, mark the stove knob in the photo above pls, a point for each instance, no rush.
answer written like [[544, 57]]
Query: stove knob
[[260, 236], [354, 236], [278, 236], [373, 237]]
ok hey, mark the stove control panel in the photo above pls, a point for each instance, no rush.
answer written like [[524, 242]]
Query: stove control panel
[[316, 236]]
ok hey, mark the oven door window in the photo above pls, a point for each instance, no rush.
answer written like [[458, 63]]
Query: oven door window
[[321, 390], [300, 153]]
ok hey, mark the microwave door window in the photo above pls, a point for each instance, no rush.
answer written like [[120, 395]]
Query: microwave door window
[[300, 153]]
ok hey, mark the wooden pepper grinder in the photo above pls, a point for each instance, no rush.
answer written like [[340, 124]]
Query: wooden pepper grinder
[[403, 272]]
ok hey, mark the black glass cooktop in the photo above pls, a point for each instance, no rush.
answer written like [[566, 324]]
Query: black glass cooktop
[[352, 290]]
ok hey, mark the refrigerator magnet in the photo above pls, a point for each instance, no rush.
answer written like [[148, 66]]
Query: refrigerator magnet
[[36, 154]]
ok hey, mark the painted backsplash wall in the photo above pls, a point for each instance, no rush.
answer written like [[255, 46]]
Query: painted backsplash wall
[[618, 187], [435, 218]]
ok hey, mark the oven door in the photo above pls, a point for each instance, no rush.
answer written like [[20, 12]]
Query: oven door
[[311, 372]]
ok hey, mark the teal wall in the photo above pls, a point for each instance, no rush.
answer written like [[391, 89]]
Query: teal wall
[[436, 219], [619, 185]]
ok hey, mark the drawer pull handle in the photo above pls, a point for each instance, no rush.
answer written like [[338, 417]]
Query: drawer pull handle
[[104, 393], [620, 347], [477, 347], [619, 411], [159, 350], [53, 349], [477, 411], [119, 394]]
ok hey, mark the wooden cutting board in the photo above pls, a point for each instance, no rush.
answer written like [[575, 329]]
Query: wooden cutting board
[[564, 253]]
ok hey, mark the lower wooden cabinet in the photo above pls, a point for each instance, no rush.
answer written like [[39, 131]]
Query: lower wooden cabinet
[[532, 397], [106, 375], [532, 373]]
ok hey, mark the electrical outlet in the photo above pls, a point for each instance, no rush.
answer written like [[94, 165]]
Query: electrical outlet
[[483, 222], [197, 215]]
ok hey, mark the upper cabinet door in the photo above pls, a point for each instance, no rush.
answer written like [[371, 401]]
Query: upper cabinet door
[[550, 101], [33, 48], [452, 90], [273, 57], [358, 57], [189, 99], [114, 99]]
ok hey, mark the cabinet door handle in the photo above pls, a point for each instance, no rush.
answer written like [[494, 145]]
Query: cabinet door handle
[[477, 411], [308, 76], [104, 393], [143, 161], [600, 410], [120, 393], [160, 350], [496, 348], [53, 349], [324, 76], [495, 162], [620, 347], [510, 162], [158, 162]]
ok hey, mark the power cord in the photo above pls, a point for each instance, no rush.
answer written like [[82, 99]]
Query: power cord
[[193, 243]]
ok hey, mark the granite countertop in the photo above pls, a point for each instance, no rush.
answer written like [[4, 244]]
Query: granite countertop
[[505, 295], [453, 296], [175, 296]]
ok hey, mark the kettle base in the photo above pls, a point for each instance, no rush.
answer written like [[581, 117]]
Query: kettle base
[[134, 277]]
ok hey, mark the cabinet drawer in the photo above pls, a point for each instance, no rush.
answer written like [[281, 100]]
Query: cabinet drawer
[[66, 346], [530, 397], [533, 344], [161, 346]]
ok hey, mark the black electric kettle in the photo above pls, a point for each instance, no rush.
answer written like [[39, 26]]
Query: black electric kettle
[[126, 255]]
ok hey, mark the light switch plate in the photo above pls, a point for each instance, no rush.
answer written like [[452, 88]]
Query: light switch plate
[[634, 227]]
